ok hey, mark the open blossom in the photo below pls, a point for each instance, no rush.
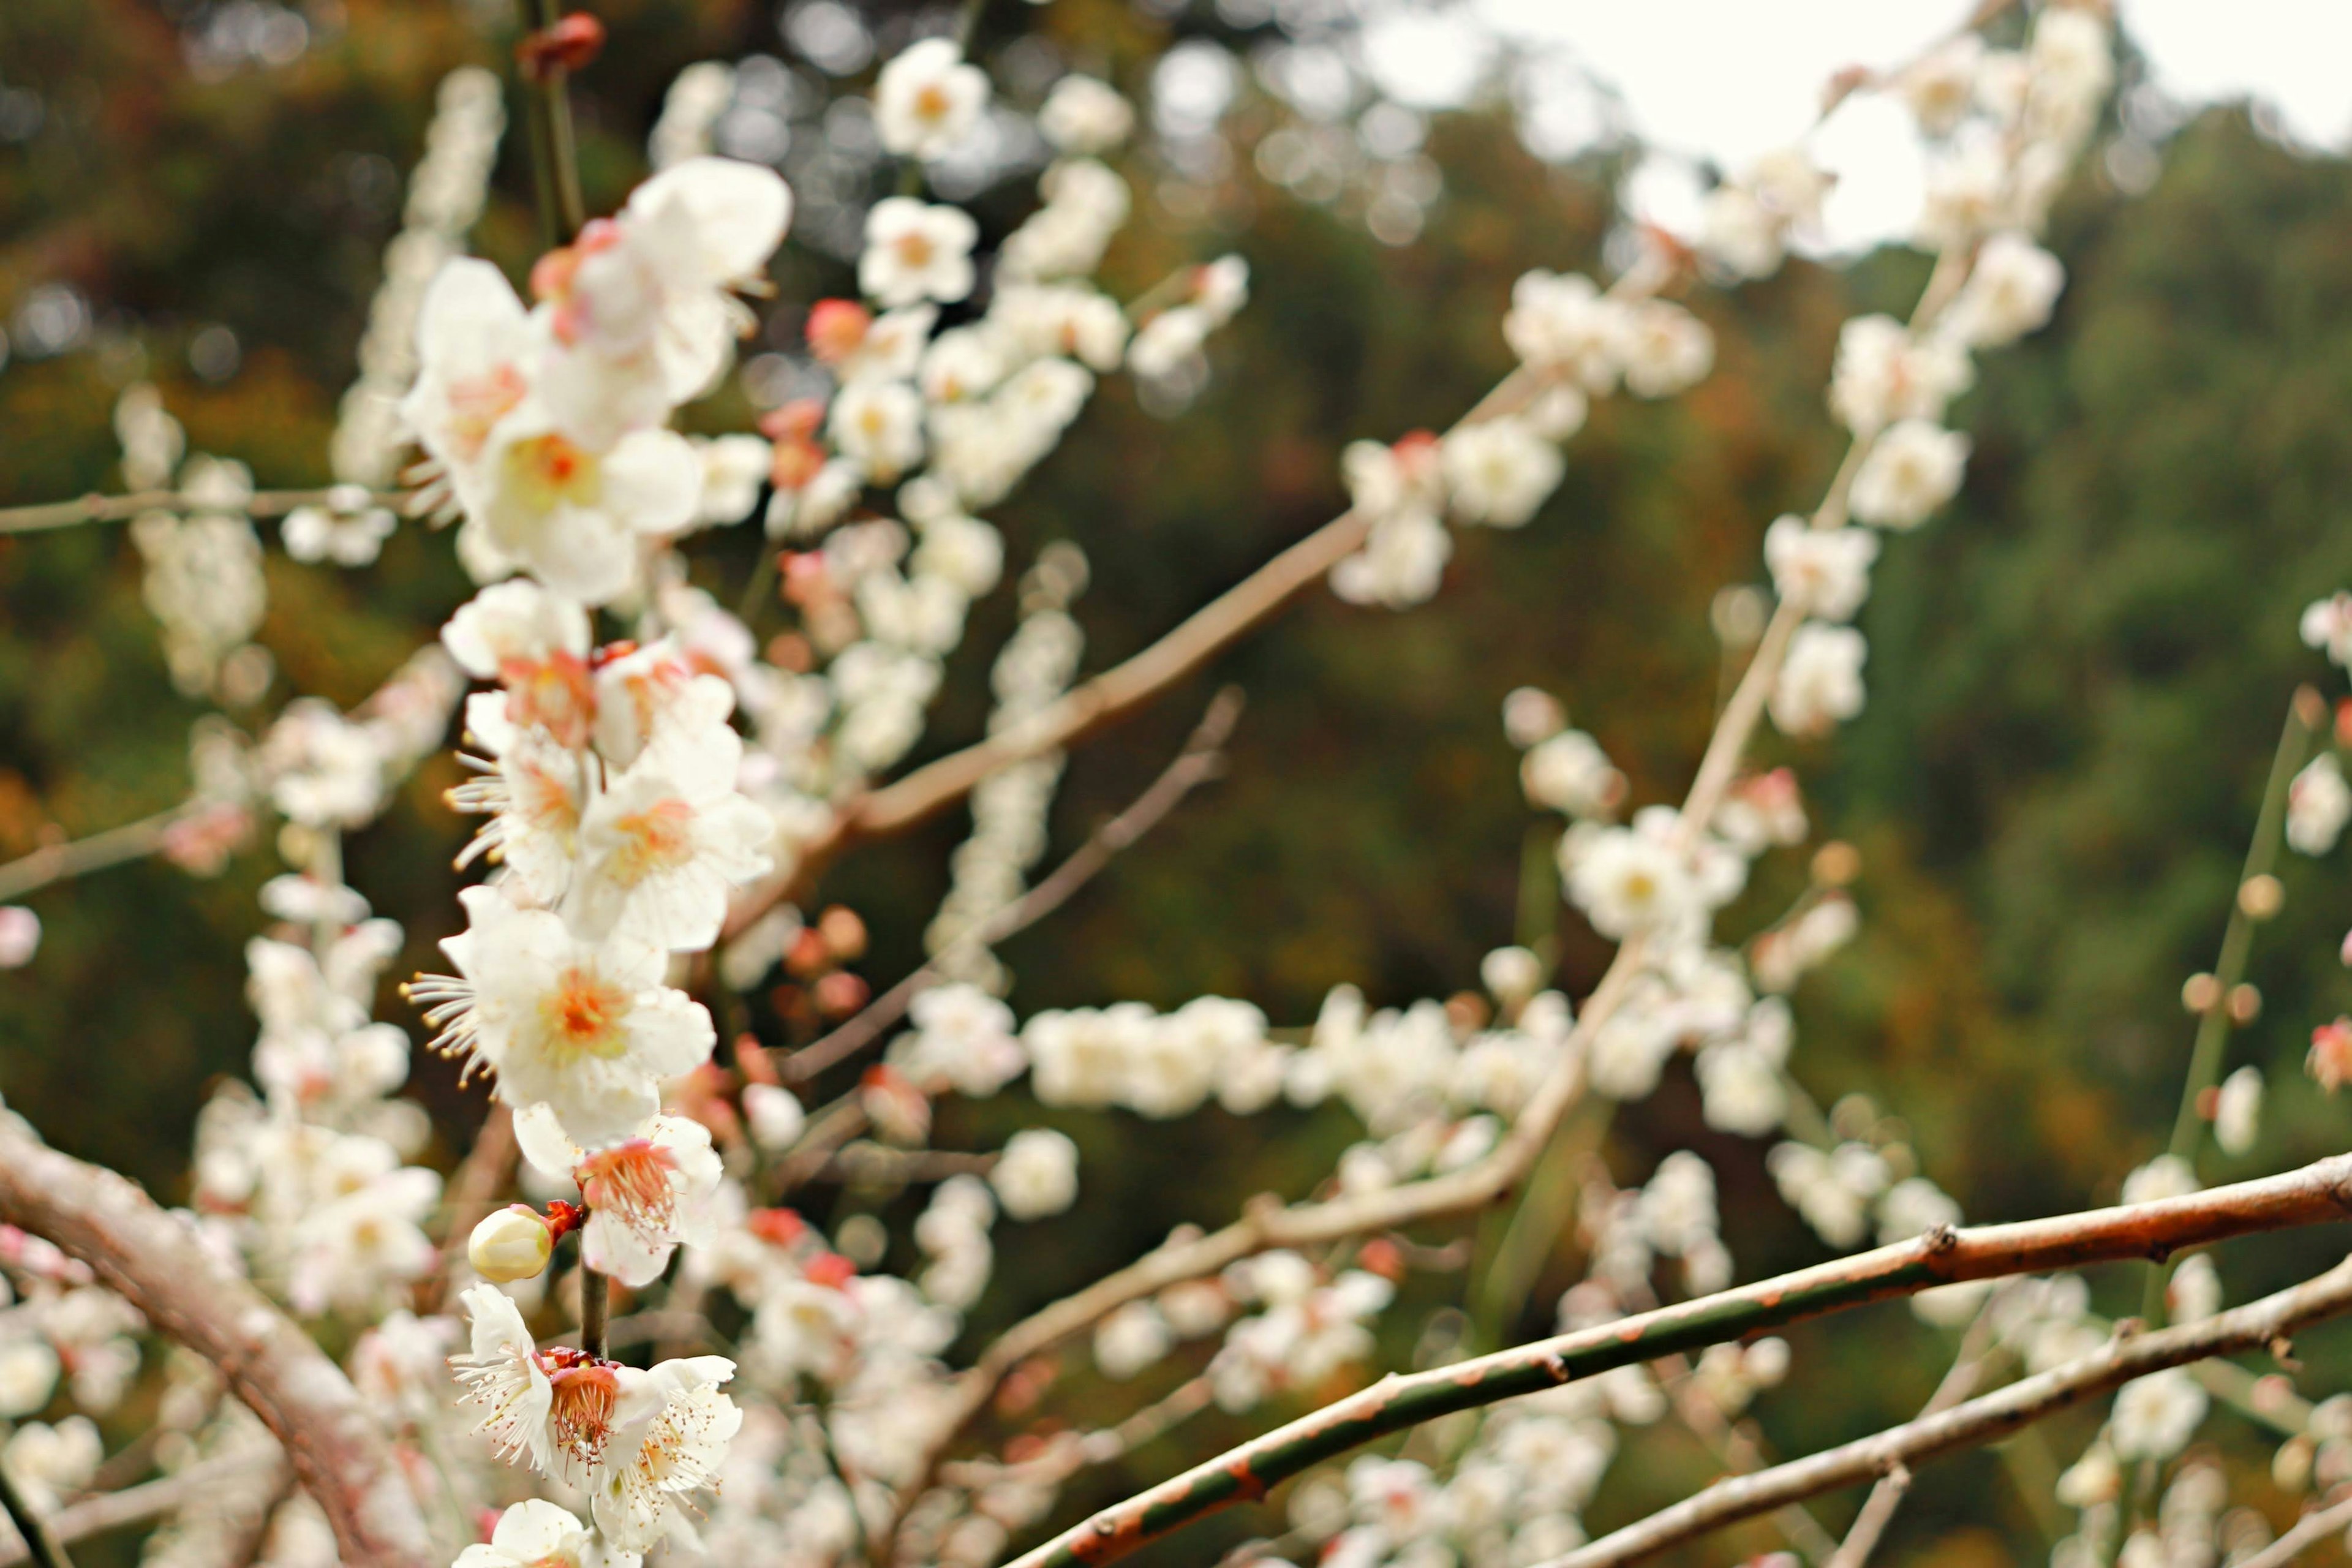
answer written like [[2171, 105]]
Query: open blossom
[[2156, 1415], [1663, 348], [532, 795], [1883, 374], [2009, 292], [655, 695], [658, 1461], [1563, 323], [515, 623], [641, 316], [1037, 1175], [667, 839], [1824, 572], [476, 355], [1820, 682], [537, 1534], [1642, 878], [1912, 469], [1401, 564], [2327, 625], [926, 99], [878, 425], [1569, 773], [916, 251], [2318, 804], [1941, 86], [571, 517], [646, 1194], [1084, 116], [1498, 471], [587, 1028]]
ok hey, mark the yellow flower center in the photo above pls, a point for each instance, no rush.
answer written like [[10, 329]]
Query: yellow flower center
[[549, 471], [583, 1017]]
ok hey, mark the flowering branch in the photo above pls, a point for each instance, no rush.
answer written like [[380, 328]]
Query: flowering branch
[[2265, 1323], [2317, 1194], [119, 509], [2302, 1535], [149, 1500], [330, 1433], [1202, 759]]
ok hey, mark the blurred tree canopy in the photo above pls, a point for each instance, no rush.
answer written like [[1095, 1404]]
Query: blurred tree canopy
[[2077, 675]]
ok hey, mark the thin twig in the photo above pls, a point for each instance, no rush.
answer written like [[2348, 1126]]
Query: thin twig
[[595, 1307], [1202, 759], [95, 508], [1958, 1382], [78, 857], [2309, 1530], [2317, 1194], [2254, 1326]]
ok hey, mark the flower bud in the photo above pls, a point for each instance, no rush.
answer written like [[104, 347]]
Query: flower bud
[[512, 1244]]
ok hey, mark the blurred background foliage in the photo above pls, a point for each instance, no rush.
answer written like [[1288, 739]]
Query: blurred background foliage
[[2077, 675]]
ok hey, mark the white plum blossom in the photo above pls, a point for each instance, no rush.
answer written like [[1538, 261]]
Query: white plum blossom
[[646, 1194], [587, 1028], [1823, 571], [1820, 682], [928, 98], [537, 1534], [1912, 469], [878, 425], [2237, 1111], [514, 623], [1084, 115], [1884, 374], [1645, 877], [658, 1461], [2009, 292], [2156, 1415], [2318, 804], [1569, 773], [665, 840], [1563, 323], [1037, 1175], [1498, 471], [1663, 349], [915, 251], [2327, 625]]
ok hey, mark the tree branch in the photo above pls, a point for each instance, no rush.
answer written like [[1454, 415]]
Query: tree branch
[[2309, 1530], [2317, 1194], [97, 508], [1199, 761], [151, 1500], [1877, 1513], [149, 1259], [2252, 1327]]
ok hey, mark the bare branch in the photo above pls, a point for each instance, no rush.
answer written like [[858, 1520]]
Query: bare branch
[[1877, 1513], [152, 1500], [1996, 1415], [2317, 1194], [1202, 759], [151, 1260], [2305, 1534], [117, 509], [111, 846]]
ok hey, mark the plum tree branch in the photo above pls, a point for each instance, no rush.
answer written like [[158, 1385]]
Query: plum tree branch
[[2317, 1194], [2305, 1534], [95, 508], [2257, 1324], [151, 1260]]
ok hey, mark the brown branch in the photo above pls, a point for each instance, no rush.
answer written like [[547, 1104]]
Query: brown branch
[[74, 857], [2258, 1325], [151, 1500], [2305, 1534], [2317, 1194], [117, 509], [151, 1260], [1202, 759]]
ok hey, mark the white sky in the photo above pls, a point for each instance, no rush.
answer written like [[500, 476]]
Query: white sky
[[1729, 80]]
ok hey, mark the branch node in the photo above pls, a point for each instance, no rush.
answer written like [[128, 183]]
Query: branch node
[[1940, 1238], [2282, 1349]]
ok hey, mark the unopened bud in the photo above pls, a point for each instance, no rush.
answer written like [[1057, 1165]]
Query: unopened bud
[[1836, 864], [2245, 1004], [776, 1116], [512, 1244], [2201, 992], [2261, 896]]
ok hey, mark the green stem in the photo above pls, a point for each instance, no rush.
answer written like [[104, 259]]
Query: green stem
[[2317, 1193], [555, 154], [2211, 1049]]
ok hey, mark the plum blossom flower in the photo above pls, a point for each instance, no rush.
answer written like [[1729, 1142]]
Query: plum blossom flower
[[1663, 348], [571, 516], [2156, 1415], [1883, 374], [2328, 624], [1824, 572], [928, 98], [586, 1027], [658, 1461], [1563, 323], [2009, 293], [665, 840], [916, 251], [640, 313], [1820, 683], [476, 353], [1037, 1175], [514, 623], [1643, 876], [1084, 115], [532, 796], [2318, 804], [646, 1194], [1498, 471], [537, 1534], [1912, 468]]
